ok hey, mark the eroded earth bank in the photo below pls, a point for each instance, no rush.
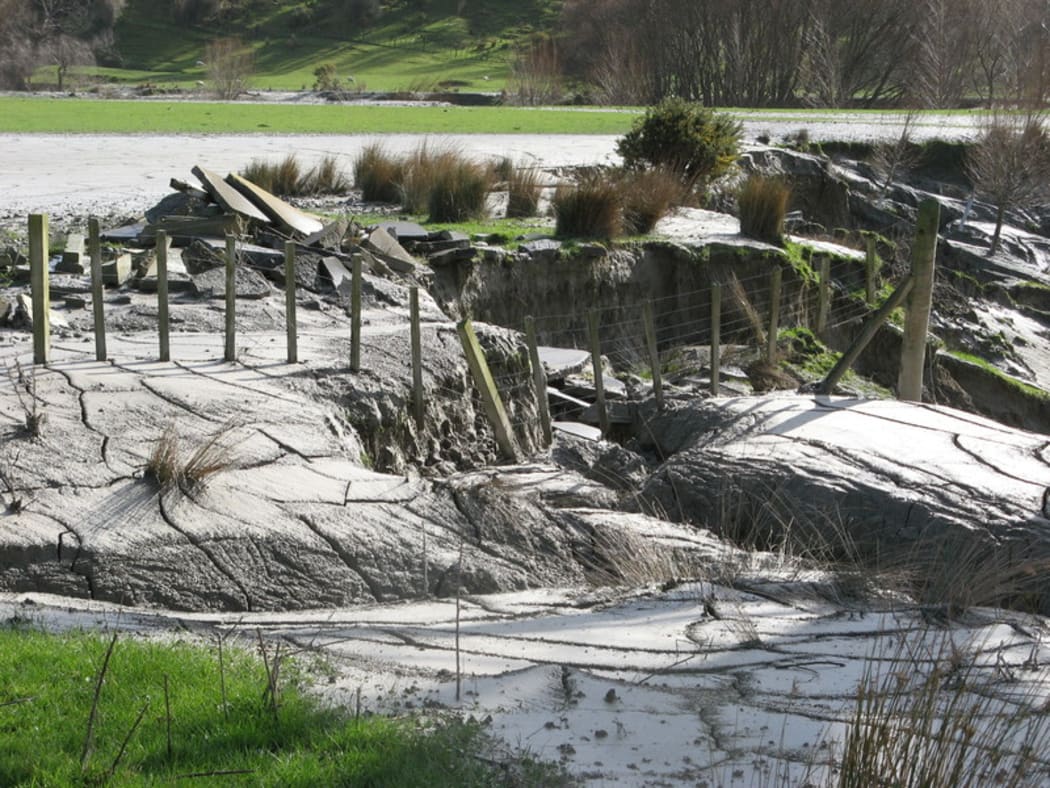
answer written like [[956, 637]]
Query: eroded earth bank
[[695, 599]]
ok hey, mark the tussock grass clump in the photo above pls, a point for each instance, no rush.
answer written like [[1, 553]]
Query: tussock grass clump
[[171, 470], [378, 175], [327, 177], [286, 178], [523, 192], [503, 168], [589, 209], [648, 196], [930, 716], [763, 205], [458, 190]]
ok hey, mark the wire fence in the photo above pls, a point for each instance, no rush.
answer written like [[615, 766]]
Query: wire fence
[[633, 335]]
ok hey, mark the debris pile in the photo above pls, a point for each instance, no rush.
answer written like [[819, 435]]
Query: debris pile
[[197, 220]]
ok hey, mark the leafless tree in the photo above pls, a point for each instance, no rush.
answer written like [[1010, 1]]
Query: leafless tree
[[1010, 166], [536, 76], [230, 66], [944, 46], [17, 57]]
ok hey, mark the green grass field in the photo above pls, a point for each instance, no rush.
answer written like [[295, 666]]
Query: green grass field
[[449, 44], [167, 715], [28, 114]]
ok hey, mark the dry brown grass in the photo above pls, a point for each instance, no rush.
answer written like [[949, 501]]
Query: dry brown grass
[[932, 715], [523, 192], [648, 196], [763, 205], [378, 175], [589, 209], [171, 470]]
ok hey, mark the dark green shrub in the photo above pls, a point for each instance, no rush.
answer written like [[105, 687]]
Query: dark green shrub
[[763, 204], [589, 209], [458, 189], [684, 137], [378, 175], [523, 192], [647, 197], [326, 78]]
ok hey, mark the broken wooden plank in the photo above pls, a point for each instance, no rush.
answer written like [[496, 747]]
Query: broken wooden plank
[[282, 213], [228, 197]]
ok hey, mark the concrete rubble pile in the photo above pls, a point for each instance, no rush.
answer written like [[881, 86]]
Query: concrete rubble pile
[[197, 220]]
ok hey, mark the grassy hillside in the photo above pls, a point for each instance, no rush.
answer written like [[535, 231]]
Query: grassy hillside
[[460, 44]]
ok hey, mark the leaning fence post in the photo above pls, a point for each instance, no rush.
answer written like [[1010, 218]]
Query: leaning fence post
[[867, 333], [417, 356], [40, 285], [823, 295], [871, 269], [291, 325], [355, 314], [539, 379], [774, 313], [95, 253], [596, 365], [479, 370], [162, 295], [654, 353], [231, 299], [919, 303], [716, 339]]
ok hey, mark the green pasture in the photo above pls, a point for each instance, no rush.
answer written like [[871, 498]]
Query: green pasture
[[163, 714], [72, 115]]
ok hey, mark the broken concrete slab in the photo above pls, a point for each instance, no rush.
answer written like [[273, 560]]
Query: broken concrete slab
[[252, 254], [183, 230], [560, 362], [71, 261], [333, 269], [331, 235], [387, 248], [118, 270], [451, 256], [405, 232], [25, 307], [229, 197], [178, 278], [128, 233], [579, 430], [281, 213]]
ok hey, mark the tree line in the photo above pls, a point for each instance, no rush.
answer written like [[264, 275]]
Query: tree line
[[829, 53]]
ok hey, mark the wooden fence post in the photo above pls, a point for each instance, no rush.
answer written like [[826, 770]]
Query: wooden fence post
[[716, 339], [920, 301], [355, 314], [290, 319], [823, 295], [40, 286], [775, 281], [162, 295], [97, 307], [867, 333], [417, 356], [231, 299], [654, 352], [596, 365], [539, 379], [871, 269], [479, 370]]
